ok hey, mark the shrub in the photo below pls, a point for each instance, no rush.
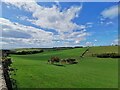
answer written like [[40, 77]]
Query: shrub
[[107, 55], [27, 52]]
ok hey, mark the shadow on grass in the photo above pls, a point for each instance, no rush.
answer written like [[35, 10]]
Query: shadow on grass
[[59, 65]]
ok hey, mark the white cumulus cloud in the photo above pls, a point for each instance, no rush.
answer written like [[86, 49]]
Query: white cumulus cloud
[[111, 12], [51, 17], [18, 34], [47, 18], [116, 42], [89, 44]]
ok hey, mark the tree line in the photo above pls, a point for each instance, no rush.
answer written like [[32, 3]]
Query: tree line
[[26, 52], [107, 55]]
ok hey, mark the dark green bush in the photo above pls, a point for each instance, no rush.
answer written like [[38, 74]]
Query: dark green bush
[[27, 52], [107, 55]]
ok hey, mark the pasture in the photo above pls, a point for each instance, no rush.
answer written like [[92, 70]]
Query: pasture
[[90, 72]]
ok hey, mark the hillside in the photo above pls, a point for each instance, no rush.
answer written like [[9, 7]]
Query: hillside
[[102, 49], [90, 72]]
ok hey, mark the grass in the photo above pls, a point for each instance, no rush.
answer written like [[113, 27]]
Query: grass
[[34, 72], [102, 49]]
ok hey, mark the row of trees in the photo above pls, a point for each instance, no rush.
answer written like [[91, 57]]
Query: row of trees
[[27, 52], [107, 55]]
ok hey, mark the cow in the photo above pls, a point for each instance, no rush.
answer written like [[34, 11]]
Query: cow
[[63, 61], [71, 61], [54, 60]]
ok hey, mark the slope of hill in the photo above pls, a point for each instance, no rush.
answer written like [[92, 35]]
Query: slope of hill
[[102, 49], [91, 72]]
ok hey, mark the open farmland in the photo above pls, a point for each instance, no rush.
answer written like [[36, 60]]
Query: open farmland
[[102, 49], [90, 72]]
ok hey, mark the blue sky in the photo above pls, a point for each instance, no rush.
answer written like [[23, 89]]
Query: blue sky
[[52, 24]]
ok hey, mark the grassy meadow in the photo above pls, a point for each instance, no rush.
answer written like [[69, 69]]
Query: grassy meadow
[[90, 72]]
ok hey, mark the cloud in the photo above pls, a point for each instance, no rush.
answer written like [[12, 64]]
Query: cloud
[[89, 24], [88, 44], [109, 23], [22, 18], [18, 34], [52, 17], [95, 40], [105, 21], [47, 18], [111, 12], [116, 42], [73, 38]]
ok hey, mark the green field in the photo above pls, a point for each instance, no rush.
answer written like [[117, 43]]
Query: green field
[[90, 72]]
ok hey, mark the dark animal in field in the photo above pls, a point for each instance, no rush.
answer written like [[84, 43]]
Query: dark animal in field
[[63, 61], [54, 60], [71, 61], [57, 60]]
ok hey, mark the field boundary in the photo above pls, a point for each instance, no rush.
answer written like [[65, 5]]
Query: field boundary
[[85, 52], [3, 85]]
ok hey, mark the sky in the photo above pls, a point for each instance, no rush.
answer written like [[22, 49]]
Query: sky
[[58, 24]]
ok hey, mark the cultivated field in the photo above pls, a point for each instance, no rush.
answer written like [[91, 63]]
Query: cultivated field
[[90, 72]]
